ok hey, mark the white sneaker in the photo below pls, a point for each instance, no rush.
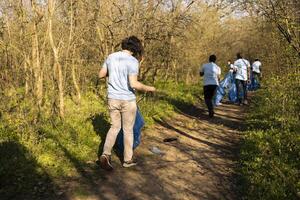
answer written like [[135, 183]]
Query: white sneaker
[[129, 163]]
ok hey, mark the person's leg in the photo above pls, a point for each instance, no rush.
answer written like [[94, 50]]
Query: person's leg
[[256, 78], [237, 84], [213, 89], [209, 93], [244, 83], [254, 74], [206, 96], [128, 118], [115, 116]]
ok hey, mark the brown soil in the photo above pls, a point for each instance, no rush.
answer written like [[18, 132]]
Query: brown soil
[[201, 164]]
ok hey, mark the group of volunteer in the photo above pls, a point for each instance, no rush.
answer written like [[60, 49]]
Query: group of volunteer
[[240, 78], [121, 71]]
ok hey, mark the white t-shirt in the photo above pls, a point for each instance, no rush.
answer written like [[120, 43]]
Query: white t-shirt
[[119, 66], [241, 66], [256, 66], [211, 72]]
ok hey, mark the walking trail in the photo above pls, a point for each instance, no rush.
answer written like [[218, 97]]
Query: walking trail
[[201, 164]]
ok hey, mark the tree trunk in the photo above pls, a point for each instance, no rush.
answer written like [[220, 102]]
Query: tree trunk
[[26, 76], [56, 66], [38, 79]]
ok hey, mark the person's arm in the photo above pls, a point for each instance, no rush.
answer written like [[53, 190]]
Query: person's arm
[[103, 72], [248, 71], [133, 78], [234, 67], [201, 72], [135, 84], [260, 74]]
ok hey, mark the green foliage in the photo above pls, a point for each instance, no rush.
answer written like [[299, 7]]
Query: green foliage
[[270, 161], [169, 96], [270, 154], [21, 175]]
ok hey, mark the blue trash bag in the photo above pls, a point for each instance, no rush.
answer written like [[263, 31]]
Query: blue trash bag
[[232, 94], [220, 93], [232, 90], [225, 83], [137, 130], [254, 84], [250, 85]]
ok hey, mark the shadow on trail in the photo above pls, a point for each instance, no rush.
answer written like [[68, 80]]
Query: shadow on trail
[[89, 175], [101, 127], [151, 178], [208, 132], [198, 113], [215, 136], [207, 160], [225, 148], [21, 177], [100, 184]]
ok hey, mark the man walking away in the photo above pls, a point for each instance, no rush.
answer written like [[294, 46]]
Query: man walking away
[[242, 69], [122, 69], [256, 70], [211, 73]]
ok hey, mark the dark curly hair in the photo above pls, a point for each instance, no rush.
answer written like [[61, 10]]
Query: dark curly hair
[[239, 55], [134, 45], [212, 58]]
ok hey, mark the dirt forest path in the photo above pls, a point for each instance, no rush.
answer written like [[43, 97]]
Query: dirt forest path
[[201, 164]]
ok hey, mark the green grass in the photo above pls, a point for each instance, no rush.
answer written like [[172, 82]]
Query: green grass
[[270, 153], [51, 148], [58, 148]]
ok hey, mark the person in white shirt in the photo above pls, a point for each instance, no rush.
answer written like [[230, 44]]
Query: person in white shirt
[[242, 69], [121, 69], [256, 70], [211, 73]]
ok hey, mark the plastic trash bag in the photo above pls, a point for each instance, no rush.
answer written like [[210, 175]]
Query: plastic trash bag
[[221, 89], [156, 150], [232, 93], [254, 84], [137, 131], [220, 93]]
